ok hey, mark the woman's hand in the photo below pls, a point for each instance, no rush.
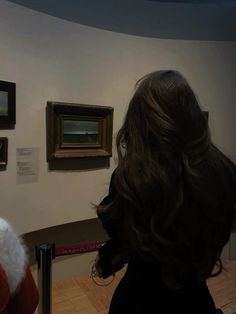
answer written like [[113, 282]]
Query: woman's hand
[[97, 267]]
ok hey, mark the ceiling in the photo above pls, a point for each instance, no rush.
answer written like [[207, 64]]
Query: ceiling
[[222, 2], [170, 19]]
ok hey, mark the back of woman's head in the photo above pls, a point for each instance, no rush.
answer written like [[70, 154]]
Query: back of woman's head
[[175, 188], [164, 116]]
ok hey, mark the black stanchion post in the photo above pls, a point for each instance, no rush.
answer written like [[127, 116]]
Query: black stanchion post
[[45, 253]]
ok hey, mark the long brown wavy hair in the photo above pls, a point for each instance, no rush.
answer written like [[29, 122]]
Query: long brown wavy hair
[[175, 190]]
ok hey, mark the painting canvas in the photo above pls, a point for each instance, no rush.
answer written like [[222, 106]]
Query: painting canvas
[[3, 103], [80, 131]]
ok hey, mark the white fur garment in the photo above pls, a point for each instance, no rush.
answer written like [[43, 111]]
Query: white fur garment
[[12, 255]]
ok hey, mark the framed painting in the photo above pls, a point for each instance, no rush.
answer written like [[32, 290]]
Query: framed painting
[[3, 151], [7, 103], [77, 130]]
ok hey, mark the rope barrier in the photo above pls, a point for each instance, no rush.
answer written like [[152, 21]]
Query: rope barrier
[[70, 249], [45, 253]]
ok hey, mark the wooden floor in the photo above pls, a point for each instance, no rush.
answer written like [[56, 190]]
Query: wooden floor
[[82, 295], [223, 287]]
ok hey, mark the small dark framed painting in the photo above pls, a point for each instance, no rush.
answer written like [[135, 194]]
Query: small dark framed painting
[[77, 130], [3, 151], [7, 103]]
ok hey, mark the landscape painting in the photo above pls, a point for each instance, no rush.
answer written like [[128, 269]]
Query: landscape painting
[[80, 131]]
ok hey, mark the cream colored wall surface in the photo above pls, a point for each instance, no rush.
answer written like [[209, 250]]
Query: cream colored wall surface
[[52, 59]]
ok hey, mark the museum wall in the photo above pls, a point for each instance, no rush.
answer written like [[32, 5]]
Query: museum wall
[[51, 59]]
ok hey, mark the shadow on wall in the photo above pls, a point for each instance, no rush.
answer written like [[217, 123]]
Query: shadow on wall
[[70, 233], [213, 20], [87, 163]]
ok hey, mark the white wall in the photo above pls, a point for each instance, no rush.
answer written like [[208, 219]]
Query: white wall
[[53, 59]]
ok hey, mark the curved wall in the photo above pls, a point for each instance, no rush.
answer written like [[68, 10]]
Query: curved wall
[[52, 59], [187, 19]]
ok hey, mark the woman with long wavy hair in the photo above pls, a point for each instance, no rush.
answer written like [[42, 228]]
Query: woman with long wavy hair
[[169, 210]]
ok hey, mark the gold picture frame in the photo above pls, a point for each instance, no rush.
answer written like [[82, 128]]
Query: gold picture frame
[[78, 130]]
